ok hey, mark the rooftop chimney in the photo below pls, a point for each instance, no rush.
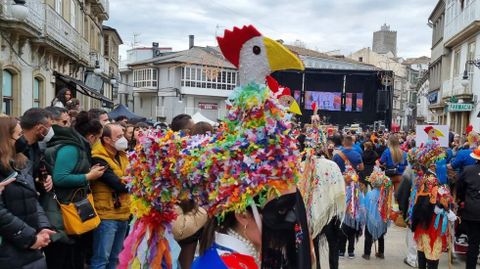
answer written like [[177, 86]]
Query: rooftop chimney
[[191, 41]]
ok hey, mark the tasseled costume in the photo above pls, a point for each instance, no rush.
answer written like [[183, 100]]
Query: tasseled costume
[[355, 212], [378, 204], [430, 226]]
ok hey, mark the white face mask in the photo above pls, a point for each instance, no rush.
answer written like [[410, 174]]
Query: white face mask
[[48, 136], [121, 144]]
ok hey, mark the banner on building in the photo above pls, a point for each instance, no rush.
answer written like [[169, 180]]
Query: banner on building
[[438, 133]]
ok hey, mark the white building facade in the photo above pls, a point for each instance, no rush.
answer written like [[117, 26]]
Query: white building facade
[[58, 44], [461, 81]]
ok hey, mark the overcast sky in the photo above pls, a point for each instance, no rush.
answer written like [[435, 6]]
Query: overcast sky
[[323, 25]]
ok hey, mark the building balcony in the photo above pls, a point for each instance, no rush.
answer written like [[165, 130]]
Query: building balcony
[[102, 7], [454, 87], [462, 25], [205, 92], [48, 25], [35, 19], [61, 32]]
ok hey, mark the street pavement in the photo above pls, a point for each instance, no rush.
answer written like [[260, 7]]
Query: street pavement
[[395, 250]]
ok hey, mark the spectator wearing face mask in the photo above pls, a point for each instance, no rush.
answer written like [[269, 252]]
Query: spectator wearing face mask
[[24, 228], [111, 197], [37, 129], [68, 157]]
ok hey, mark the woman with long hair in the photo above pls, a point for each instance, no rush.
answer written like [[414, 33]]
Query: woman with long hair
[[394, 160], [24, 228], [62, 98]]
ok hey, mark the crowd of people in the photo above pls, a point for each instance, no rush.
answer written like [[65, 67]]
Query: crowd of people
[[81, 190], [47, 159]]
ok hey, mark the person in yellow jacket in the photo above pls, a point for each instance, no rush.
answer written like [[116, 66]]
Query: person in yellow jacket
[[111, 197]]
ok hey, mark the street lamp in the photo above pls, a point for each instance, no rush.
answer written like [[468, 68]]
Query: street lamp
[[97, 69], [465, 79], [19, 10]]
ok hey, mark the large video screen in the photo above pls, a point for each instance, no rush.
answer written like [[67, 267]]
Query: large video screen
[[331, 101], [354, 102]]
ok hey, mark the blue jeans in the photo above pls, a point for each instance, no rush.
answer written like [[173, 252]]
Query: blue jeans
[[107, 243]]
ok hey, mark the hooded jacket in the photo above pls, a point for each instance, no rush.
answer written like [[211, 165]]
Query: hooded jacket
[[110, 189]]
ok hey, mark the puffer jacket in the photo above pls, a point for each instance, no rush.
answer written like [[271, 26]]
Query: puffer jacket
[[21, 218], [107, 188]]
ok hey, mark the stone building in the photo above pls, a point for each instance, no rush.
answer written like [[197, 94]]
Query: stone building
[[47, 45], [385, 41]]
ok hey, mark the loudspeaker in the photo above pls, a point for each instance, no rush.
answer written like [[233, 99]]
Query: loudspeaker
[[382, 101]]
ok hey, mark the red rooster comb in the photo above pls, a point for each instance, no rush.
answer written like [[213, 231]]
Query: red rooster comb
[[276, 88], [469, 129], [427, 129], [232, 41], [314, 108]]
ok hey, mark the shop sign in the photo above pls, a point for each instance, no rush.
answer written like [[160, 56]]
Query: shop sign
[[458, 107], [208, 106]]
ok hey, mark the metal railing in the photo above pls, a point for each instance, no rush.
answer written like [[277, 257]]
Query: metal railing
[[36, 13]]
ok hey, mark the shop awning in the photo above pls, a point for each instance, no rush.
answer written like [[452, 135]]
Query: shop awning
[[84, 89]]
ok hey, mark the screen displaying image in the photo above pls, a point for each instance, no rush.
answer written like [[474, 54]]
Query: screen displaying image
[[331, 101], [296, 95], [354, 102]]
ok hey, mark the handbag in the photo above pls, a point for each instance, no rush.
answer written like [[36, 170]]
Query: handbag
[[390, 172], [79, 217]]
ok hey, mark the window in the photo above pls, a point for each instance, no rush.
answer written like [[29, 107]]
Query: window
[[208, 77], [456, 63], [106, 46], [7, 92], [73, 14], [145, 78], [37, 85], [59, 6], [360, 59]]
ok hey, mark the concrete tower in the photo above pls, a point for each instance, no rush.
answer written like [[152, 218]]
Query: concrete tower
[[385, 40]]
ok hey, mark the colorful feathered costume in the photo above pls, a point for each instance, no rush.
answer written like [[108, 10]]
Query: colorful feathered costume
[[433, 204], [378, 203], [250, 162]]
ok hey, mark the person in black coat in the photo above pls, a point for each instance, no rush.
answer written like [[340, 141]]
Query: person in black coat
[[24, 228], [369, 157], [468, 193]]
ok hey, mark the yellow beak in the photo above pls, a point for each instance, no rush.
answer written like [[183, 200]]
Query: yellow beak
[[280, 58], [439, 133], [295, 108]]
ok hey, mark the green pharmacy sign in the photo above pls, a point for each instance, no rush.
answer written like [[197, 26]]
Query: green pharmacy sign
[[458, 107]]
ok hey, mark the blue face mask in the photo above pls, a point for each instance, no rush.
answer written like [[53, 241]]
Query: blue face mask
[[441, 171]]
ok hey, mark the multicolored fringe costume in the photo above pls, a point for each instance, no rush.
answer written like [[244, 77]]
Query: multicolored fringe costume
[[378, 203], [322, 184], [433, 203], [355, 210]]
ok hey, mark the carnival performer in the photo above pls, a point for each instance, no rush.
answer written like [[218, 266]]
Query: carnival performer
[[323, 189], [249, 169], [405, 196], [378, 205], [433, 204]]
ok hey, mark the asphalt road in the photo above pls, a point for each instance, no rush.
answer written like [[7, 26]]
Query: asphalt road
[[395, 250]]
